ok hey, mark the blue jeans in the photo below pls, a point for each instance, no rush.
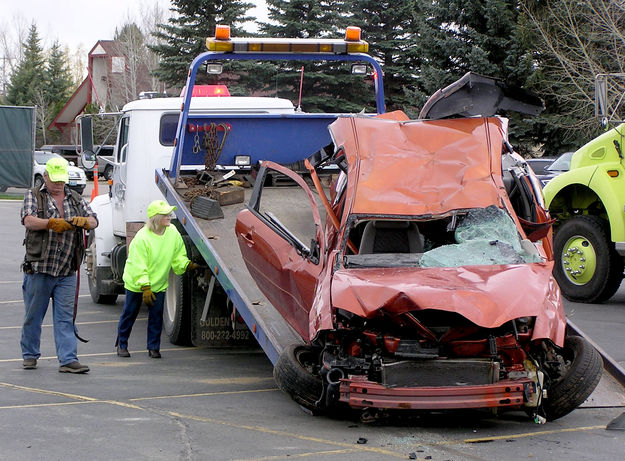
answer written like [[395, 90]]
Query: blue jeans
[[37, 290], [132, 305]]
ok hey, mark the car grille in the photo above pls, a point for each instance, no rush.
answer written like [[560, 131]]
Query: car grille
[[441, 372]]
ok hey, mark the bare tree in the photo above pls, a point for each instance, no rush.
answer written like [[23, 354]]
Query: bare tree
[[13, 34], [151, 17], [132, 46], [43, 115], [576, 40]]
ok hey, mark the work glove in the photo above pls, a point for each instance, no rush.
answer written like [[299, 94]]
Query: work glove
[[148, 296], [192, 266], [59, 225], [80, 221]]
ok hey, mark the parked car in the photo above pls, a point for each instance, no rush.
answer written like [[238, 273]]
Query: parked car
[[539, 165], [429, 283], [104, 158], [550, 168], [77, 177]]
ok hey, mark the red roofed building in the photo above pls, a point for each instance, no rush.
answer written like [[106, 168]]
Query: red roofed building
[[107, 85]]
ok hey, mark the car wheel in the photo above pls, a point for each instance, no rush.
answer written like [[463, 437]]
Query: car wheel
[[177, 311], [588, 268], [38, 182], [580, 373], [108, 172], [293, 372], [94, 274]]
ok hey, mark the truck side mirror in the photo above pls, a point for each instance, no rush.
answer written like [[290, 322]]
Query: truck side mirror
[[87, 156], [601, 96]]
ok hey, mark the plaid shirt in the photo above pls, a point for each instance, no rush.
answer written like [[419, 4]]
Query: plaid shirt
[[58, 255]]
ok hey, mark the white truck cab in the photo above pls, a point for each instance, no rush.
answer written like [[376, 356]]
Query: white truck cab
[[145, 141]]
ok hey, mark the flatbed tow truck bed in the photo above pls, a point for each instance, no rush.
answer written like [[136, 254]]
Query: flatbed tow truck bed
[[217, 243]]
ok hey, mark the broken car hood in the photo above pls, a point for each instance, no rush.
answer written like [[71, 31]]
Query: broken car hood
[[488, 296]]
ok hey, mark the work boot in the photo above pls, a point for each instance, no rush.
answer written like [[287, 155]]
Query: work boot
[[122, 352], [29, 364], [73, 367], [154, 354]]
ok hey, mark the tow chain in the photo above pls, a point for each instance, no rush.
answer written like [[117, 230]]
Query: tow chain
[[212, 144]]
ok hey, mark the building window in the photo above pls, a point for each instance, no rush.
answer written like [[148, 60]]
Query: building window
[[118, 64]]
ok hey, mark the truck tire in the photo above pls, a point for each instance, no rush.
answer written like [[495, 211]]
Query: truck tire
[[94, 274], [587, 267], [582, 376], [177, 311], [294, 376]]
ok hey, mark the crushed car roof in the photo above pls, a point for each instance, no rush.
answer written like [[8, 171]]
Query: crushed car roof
[[416, 168]]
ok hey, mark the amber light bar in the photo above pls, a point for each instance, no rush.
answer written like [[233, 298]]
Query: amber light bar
[[222, 42]]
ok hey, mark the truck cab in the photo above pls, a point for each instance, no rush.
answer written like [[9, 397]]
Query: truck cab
[[145, 140]]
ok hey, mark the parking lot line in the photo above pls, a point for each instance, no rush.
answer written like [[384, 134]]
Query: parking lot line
[[267, 430], [303, 455], [530, 434], [21, 301], [101, 354], [47, 392], [204, 394], [48, 325], [37, 405]]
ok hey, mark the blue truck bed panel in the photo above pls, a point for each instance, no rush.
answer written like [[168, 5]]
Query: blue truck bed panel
[[284, 138]]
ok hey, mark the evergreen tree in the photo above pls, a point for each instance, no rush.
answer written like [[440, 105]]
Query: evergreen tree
[[58, 79], [29, 75], [326, 87], [391, 28], [481, 36], [303, 18], [184, 36]]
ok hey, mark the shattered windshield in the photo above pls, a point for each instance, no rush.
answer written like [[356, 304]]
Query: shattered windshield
[[485, 236], [482, 236]]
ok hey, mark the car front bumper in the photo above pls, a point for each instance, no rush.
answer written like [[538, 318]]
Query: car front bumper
[[359, 392]]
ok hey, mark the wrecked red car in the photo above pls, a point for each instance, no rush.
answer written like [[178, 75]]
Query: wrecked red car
[[420, 278]]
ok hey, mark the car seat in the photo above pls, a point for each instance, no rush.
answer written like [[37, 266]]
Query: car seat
[[391, 237]]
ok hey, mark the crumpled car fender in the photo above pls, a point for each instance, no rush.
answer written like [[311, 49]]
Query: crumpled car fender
[[488, 296]]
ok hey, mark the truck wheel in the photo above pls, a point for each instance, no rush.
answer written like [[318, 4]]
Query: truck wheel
[[582, 367], [177, 311], [94, 274], [294, 375], [588, 268]]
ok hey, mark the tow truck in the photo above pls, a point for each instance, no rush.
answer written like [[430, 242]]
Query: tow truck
[[273, 296]]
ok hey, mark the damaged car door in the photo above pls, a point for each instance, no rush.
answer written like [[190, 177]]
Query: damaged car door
[[281, 242]]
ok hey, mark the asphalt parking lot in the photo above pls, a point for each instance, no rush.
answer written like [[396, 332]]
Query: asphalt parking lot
[[202, 404]]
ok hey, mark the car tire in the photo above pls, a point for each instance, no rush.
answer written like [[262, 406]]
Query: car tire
[[584, 243], [94, 274], [584, 373], [293, 375], [38, 181], [177, 310], [108, 172]]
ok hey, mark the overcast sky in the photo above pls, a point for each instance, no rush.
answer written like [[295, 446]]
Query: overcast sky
[[76, 22]]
